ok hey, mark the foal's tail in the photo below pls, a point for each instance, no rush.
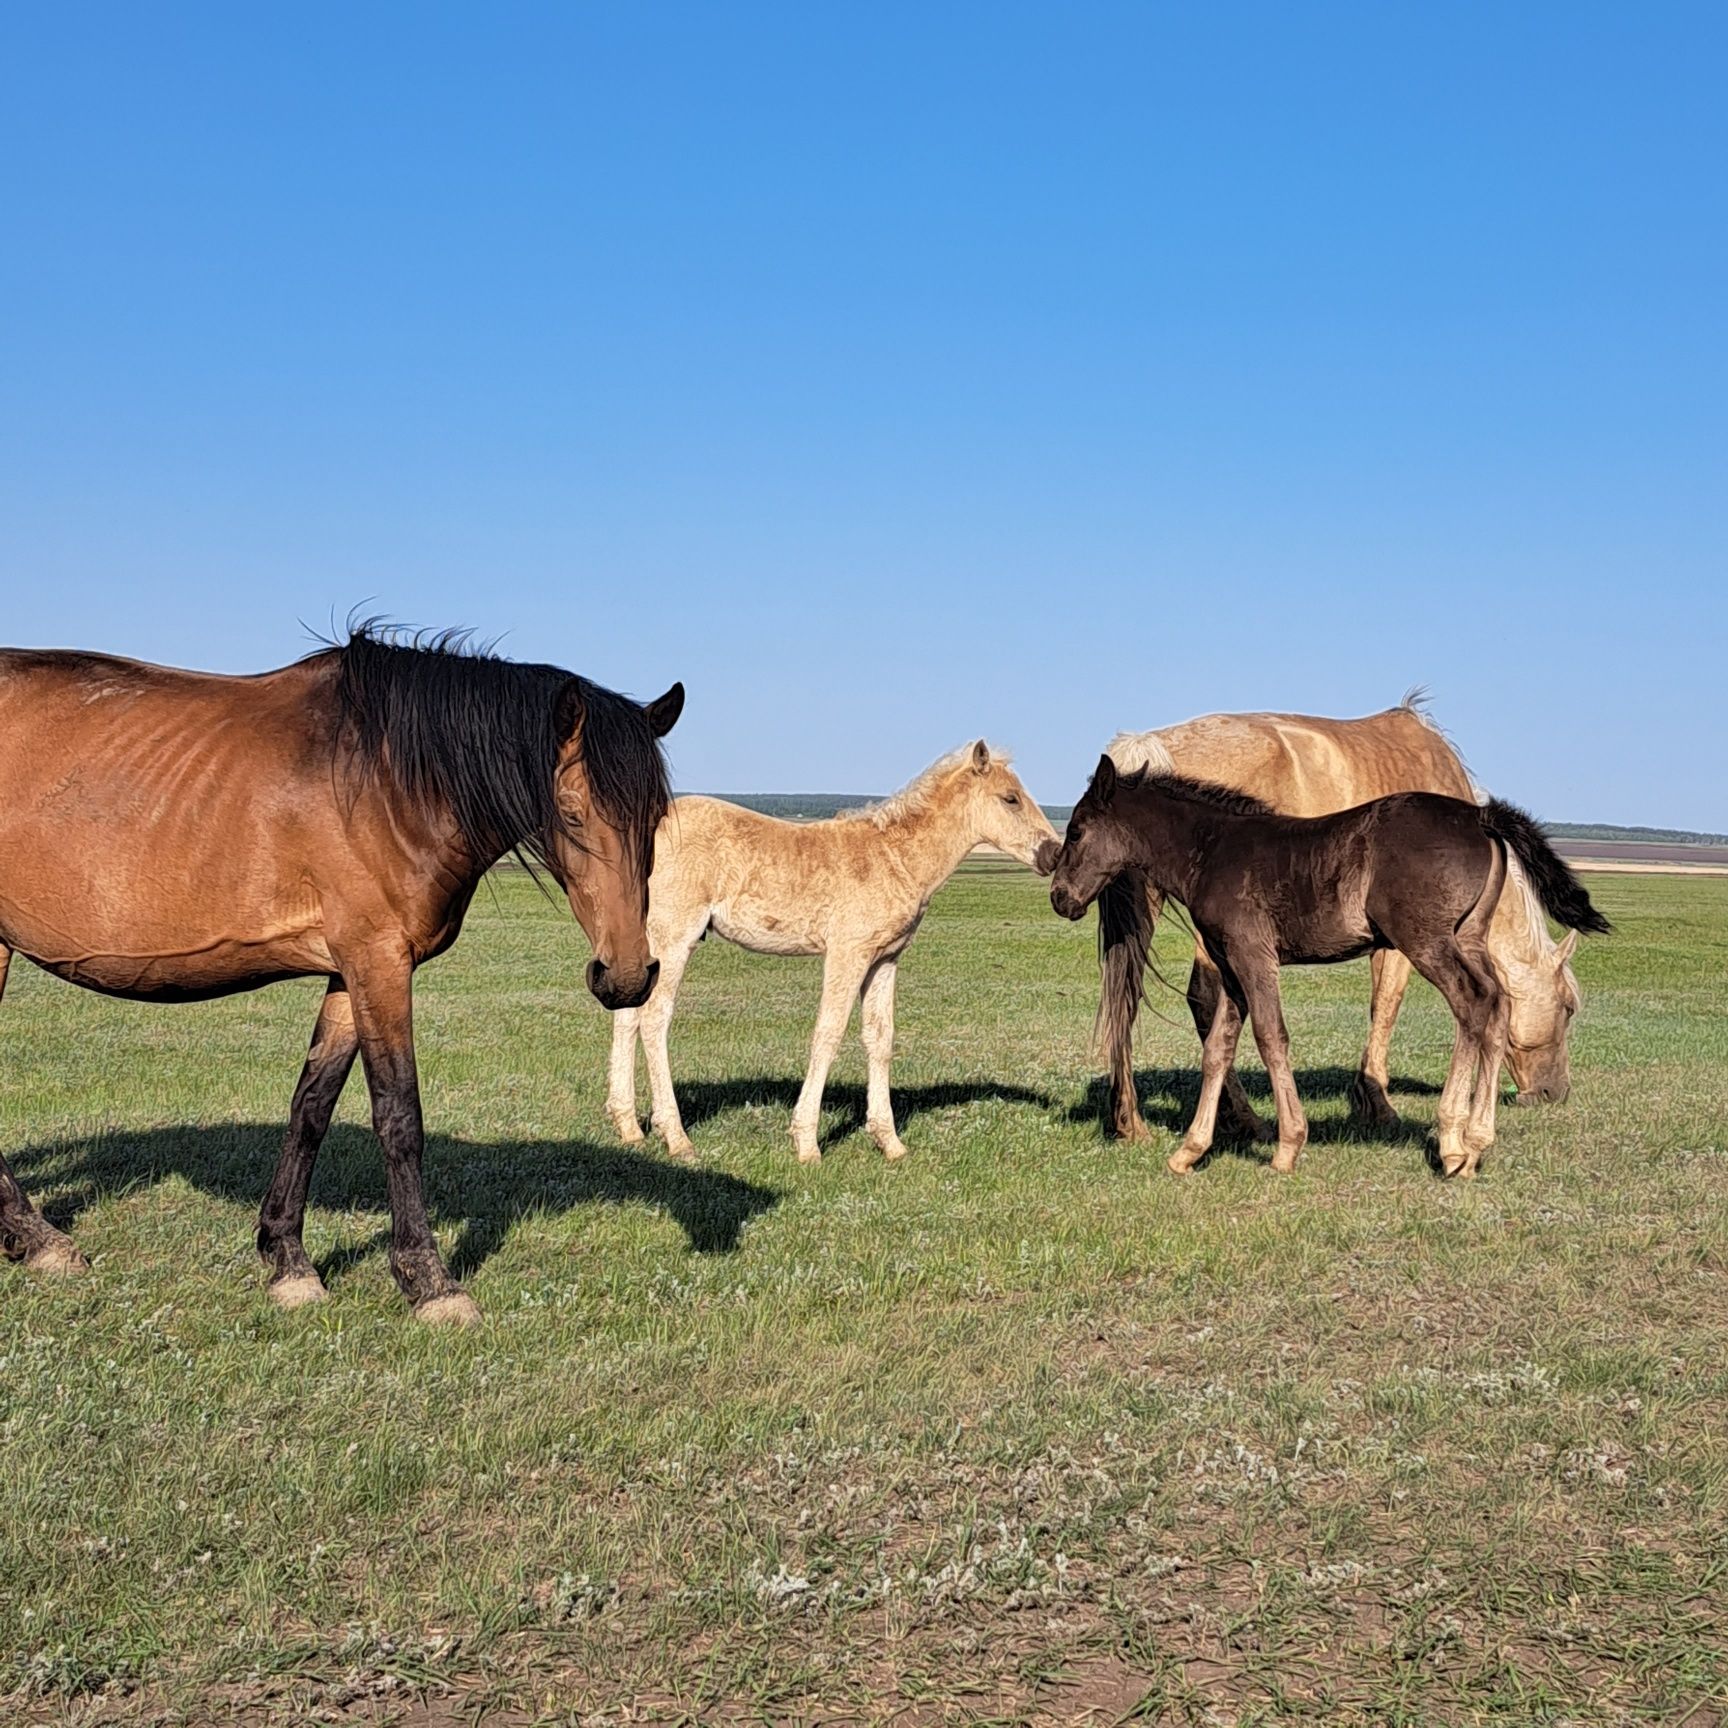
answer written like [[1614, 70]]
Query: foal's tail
[[1125, 926], [1561, 893]]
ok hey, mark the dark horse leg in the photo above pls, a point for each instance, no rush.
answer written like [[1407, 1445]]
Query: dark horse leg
[[382, 993], [1204, 995], [1217, 1062], [1266, 1014], [293, 1279], [24, 1233]]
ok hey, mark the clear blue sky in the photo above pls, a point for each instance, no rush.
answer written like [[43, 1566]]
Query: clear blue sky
[[893, 374]]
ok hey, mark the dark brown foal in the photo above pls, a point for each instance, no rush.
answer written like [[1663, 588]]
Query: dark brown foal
[[1416, 872]]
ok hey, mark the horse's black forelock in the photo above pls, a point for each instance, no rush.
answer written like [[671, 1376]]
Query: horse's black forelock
[[461, 730]]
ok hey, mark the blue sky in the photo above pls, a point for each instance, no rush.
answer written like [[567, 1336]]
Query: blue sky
[[893, 374]]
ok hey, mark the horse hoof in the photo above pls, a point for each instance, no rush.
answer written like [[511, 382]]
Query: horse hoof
[[809, 1155], [629, 1130], [893, 1151], [682, 1150], [57, 1259], [1454, 1165], [1181, 1163], [299, 1291], [456, 1309]]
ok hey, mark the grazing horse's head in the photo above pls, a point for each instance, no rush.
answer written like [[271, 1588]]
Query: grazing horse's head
[[1544, 997], [1095, 850], [611, 791]]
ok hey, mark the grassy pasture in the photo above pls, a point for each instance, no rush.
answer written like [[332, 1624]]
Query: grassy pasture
[[1022, 1429]]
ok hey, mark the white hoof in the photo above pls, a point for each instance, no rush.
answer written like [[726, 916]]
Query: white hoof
[[298, 1292], [456, 1309], [809, 1154]]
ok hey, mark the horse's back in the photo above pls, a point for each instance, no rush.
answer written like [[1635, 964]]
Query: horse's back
[[153, 823], [1308, 765]]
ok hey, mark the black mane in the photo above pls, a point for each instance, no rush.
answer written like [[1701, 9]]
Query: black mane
[[461, 730], [1209, 792]]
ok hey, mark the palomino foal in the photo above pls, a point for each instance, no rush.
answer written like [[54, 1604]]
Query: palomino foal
[[852, 889]]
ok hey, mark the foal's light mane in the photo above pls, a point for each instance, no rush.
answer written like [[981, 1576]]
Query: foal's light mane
[[920, 792]]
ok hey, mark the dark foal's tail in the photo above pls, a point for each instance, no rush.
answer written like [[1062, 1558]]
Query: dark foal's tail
[[1125, 926], [1561, 893]]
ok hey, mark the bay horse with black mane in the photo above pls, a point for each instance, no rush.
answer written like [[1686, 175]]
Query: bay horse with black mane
[[1418, 871], [171, 836]]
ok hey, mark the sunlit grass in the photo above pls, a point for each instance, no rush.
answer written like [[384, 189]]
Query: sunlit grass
[[1019, 1423]]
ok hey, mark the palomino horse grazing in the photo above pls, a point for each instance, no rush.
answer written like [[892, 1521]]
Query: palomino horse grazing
[[851, 889], [171, 836], [1305, 766], [1417, 871]]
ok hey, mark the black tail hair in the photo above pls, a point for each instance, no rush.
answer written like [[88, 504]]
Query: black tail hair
[[1561, 893], [1125, 927]]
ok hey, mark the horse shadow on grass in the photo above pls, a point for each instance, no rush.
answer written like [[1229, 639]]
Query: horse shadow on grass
[[485, 1187], [1168, 1097], [844, 1104]]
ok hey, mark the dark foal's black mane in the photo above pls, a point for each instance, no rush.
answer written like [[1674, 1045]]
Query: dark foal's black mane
[[1208, 792], [458, 729]]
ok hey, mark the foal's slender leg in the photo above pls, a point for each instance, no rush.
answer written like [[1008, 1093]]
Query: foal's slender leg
[[1368, 1097], [1217, 1059], [655, 1016], [294, 1280], [621, 1075], [1272, 1037], [1204, 994], [842, 974], [24, 1233], [382, 989], [878, 1020]]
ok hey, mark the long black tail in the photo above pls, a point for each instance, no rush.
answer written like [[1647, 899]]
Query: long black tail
[[1125, 927], [1560, 892]]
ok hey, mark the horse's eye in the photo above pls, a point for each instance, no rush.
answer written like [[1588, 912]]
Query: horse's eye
[[1012, 798]]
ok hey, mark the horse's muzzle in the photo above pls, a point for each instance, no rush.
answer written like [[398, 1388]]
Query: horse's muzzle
[[1542, 1094], [1044, 859], [613, 995], [1067, 905]]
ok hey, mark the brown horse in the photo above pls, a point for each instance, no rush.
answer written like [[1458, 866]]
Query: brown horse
[[1417, 872], [170, 836], [1305, 765]]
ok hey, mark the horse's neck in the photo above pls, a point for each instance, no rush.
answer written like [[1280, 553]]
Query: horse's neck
[[1165, 834], [927, 844]]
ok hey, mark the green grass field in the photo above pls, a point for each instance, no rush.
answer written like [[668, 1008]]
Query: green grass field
[[1021, 1429]]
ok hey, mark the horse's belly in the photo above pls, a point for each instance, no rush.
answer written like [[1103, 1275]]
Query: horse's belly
[[154, 958], [765, 929]]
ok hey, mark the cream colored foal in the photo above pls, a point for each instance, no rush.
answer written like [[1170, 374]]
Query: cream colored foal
[[851, 889]]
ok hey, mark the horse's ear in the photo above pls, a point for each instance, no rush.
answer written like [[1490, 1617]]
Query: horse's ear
[[980, 757], [1567, 948], [663, 711], [1104, 779], [571, 711]]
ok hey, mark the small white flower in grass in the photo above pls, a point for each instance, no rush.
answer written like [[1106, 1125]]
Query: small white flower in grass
[[782, 1587]]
